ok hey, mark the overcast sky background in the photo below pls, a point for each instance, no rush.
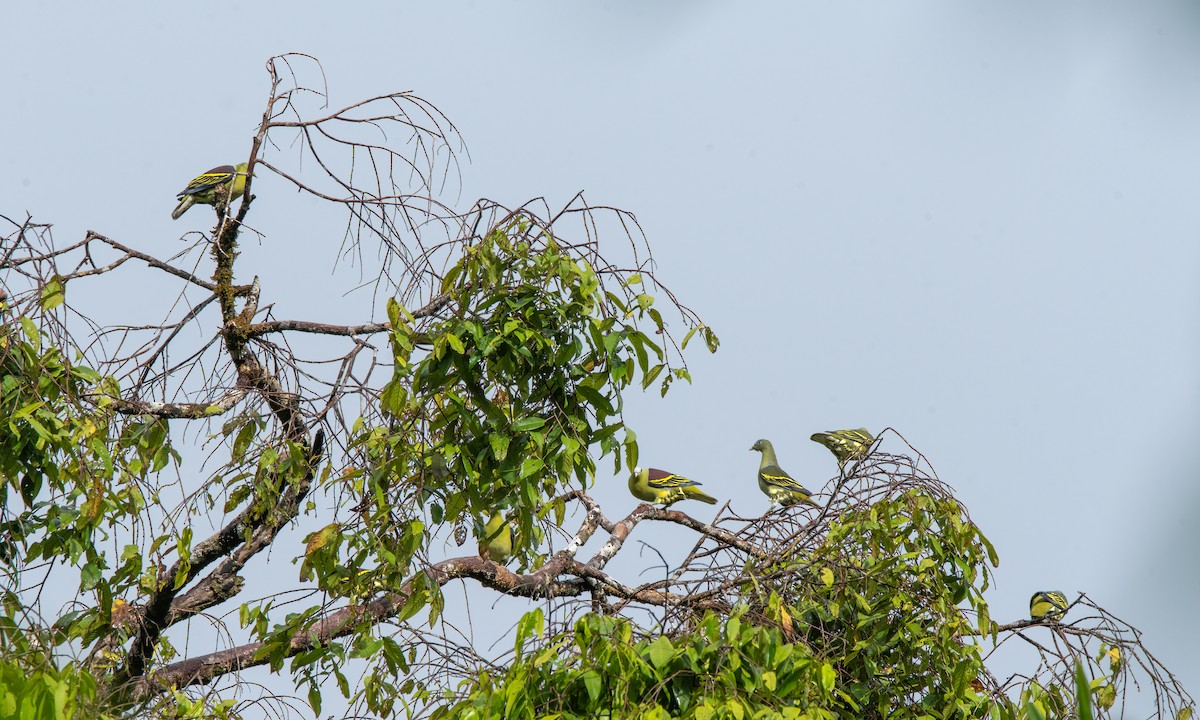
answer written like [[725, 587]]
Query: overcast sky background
[[973, 222]]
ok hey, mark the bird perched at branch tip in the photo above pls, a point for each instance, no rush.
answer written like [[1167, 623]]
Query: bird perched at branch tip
[[496, 543], [219, 186], [846, 445], [1048, 605], [775, 482], [664, 488]]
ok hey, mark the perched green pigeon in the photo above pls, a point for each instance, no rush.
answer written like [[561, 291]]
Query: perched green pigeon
[[846, 445], [775, 482], [218, 186], [496, 543], [1048, 605], [664, 488]]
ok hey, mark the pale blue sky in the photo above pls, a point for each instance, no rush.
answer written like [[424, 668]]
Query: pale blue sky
[[974, 222]]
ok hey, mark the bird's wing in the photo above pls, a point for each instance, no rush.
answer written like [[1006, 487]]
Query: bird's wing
[[1047, 602], [859, 435], [209, 180], [663, 480], [775, 476]]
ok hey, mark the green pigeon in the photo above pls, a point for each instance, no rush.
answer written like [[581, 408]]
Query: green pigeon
[[219, 186], [496, 543], [664, 488], [1048, 605], [846, 445], [775, 482]]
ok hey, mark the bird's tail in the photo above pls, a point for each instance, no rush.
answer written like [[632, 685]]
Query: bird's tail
[[696, 493], [182, 207]]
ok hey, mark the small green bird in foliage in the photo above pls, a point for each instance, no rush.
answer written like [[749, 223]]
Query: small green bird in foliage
[[219, 186], [775, 482], [846, 445], [1048, 605], [496, 543], [664, 488]]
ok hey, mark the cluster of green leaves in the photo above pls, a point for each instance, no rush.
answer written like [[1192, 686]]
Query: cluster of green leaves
[[880, 600], [514, 397], [37, 682], [722, 667], [53, 463], [53, 452], [44, 439], [526, 376], [71, 475], [32, 685], [506, 401], [866, 625], [1083, 699]]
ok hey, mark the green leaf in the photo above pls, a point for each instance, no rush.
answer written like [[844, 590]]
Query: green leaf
[[53, 293], [828, 677], [499, 445], [631, 449], [393, 313], [591, 681], [651, 374], [244, 436], [314, 698], [531, 465], [89, 576], [1083, 694], [393, 397], [528, 423], [531, 623], [769, 681], [735, 709], [661, 652]]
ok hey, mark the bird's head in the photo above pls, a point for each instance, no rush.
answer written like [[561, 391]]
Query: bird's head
[[241, 168], [761, 445]]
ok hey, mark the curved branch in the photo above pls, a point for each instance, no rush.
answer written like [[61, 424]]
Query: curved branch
[[149, 260], [188, 411], [542, 583]]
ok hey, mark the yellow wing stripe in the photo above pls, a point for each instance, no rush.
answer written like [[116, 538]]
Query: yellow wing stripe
[[208, 181], [670, 482], [784, 481]]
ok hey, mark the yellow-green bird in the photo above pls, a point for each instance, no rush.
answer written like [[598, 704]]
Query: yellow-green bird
[[219, 186], [1048, 605], [496, 543], [846, 445], [775, 482], [664, 488]]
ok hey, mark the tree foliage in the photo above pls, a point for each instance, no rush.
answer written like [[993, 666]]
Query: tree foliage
[[153, 468]]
